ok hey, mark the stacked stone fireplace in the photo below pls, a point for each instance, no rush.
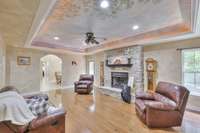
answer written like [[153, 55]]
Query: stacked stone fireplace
[[116, 77]]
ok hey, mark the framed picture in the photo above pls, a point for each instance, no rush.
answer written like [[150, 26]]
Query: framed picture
[[21, 60]]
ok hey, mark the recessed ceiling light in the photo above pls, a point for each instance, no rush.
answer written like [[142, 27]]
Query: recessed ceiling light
[[104, 4], [56, 38], [135, 27]]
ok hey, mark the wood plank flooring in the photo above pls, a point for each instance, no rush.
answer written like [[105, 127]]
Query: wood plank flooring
[[99, 113]]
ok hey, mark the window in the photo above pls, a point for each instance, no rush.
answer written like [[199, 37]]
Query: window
[[191, 70], [91, 67]]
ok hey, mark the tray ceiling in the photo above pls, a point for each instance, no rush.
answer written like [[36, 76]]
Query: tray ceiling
[[69, 20]]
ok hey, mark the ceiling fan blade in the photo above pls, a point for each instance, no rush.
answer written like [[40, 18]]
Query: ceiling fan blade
[[95, 42], [87, 41]]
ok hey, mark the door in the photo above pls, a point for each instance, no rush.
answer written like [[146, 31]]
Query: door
[[101, 73]]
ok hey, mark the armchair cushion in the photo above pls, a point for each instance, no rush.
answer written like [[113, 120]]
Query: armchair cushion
[[164, 100], [141, 104], [83, 82], [159, 106], [173, 92], [145, 95], [38, 106], [82, 86]]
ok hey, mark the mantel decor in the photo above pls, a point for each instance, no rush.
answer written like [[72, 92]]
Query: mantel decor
[[120, 61]]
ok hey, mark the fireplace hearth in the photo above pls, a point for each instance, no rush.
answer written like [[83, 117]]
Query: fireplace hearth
[[119, 79]]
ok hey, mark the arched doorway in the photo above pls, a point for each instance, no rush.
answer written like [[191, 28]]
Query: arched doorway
[[51, 72]]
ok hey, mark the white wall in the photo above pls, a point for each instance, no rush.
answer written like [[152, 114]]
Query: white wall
[[27, 78], [2, 62]]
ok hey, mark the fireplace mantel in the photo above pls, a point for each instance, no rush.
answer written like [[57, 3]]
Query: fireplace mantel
[[120, 63]]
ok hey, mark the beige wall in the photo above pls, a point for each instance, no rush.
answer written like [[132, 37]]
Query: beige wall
[[169, 62], [2, 62], [27, 78]]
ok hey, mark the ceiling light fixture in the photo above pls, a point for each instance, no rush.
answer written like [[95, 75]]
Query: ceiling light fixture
[[104, 4], [135, 27], [56, 38]]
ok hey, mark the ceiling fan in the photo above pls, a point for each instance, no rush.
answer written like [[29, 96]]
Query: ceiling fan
[[92, 39]]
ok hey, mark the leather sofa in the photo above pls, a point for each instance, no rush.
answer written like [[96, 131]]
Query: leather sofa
[[85, 84], [53, 122], [164, 108]]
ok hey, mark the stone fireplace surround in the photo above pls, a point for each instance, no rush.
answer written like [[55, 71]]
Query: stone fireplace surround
[[136, 70]]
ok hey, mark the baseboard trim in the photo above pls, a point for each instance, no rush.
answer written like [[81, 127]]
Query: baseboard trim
[[68, 87], [38, 92], [193, 109]]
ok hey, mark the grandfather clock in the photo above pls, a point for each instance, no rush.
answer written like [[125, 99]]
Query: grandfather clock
[[151, 68]]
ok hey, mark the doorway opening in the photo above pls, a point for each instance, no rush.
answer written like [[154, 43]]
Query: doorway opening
[[51, 72], [91, 68]]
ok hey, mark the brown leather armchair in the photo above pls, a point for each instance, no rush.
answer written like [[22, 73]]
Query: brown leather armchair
[[53, 122], [164, 108], [85, 84]]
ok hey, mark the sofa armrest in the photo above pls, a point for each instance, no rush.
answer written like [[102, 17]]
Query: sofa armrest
[[54, 118], [49, 119], [145, 95]]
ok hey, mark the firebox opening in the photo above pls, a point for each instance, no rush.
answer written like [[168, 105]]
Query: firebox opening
[[119, 79]]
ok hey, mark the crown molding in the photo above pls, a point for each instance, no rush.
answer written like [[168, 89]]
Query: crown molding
[[196, 16], [175, 32], [43, 11]]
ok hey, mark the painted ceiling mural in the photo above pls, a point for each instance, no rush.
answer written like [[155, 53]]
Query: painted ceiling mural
[[71, 19], [68, 8]]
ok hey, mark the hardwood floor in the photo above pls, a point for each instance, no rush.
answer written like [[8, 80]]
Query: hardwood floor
[[99, 113]]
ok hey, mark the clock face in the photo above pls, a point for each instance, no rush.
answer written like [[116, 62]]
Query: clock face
[[150, 67]]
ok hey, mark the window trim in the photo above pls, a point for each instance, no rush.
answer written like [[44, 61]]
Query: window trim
[[192, 91]]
